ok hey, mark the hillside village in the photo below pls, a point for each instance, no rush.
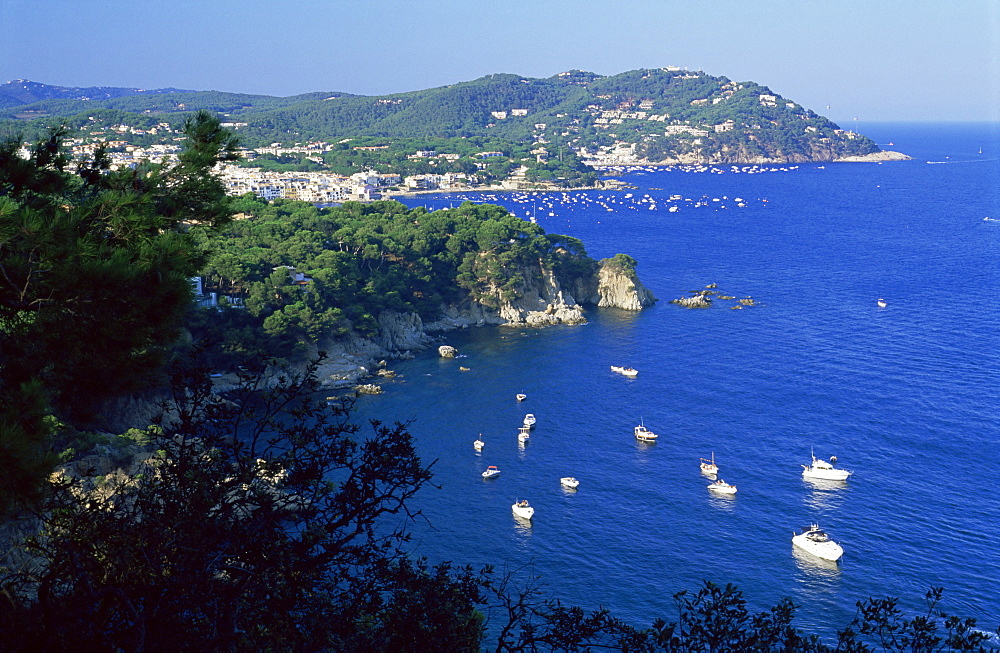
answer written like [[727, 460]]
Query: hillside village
[[329, 188], [314, 187], [646, 117]]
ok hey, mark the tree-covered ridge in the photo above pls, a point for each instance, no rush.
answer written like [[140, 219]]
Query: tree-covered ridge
[[22, 91], [667, 113], [305, 273]]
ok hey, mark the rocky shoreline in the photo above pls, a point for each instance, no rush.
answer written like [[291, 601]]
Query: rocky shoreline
[[875, 157], [542, 301]]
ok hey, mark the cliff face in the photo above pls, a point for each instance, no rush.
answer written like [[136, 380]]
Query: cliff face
[[541, 301], [614, 286]]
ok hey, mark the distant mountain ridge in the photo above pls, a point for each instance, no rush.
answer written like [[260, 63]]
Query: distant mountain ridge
[[662, 115], [20, 92]]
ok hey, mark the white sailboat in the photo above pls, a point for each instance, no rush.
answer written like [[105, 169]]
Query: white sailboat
[[708, 466]]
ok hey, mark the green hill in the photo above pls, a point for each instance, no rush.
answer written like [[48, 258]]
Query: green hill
[[666, 113]]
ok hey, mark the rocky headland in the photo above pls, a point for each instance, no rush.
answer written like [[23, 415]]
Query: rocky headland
[[874, 157], [541, 301]]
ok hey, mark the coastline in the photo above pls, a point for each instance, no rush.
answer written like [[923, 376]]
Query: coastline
[[615, 184]]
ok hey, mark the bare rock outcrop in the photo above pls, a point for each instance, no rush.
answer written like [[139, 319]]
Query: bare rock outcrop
[[615, 285], [875, 157], [695, 301]]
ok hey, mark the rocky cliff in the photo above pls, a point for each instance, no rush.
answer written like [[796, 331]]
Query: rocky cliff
[[541, 300], [616, 286]]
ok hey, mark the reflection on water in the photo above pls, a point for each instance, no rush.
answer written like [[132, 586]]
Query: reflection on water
[[725, 502], [824, 495], [816, 575], [522, 526]]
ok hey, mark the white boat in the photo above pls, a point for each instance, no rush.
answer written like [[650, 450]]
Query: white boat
[[478, 444], [523, 433], [708, 466], [881, 303], [627, 371], [529, 420], [521, 396], [522, 509], [818, 543], [645, 435], [824, 470], [569, 481], [722, 487], [491, 472]]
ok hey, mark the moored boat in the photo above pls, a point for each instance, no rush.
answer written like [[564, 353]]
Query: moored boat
[[818, 543], [478, 444], [627, 371], [523, 433], [826, 471], [529, 421], [522, 509], [521, 396], [569, 481], [722, 487], [644, 435], [491, 472], [708, 466]]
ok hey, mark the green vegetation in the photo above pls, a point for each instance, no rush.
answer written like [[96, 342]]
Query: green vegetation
[[666, 112], [94, 282], [360, 259]]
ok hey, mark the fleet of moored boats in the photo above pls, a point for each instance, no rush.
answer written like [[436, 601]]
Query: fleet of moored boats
[[812, 540]]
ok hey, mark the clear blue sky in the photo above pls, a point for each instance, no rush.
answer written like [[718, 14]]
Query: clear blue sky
[[874, 60]]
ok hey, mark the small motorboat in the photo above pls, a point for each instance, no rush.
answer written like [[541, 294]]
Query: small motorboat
[[491, 472], [521, 397], [523, 433], [881, 303], [722, 487], [569, 481], [630, 372], [478, 444], [644, 435], [708, 466], [529, 421], [815, 541], [824, 470], [522, 509]]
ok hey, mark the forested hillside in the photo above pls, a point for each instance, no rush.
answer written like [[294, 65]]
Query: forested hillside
[[666, 112], [305, 274]]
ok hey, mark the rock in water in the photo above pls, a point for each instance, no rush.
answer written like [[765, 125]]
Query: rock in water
[[697, 301]]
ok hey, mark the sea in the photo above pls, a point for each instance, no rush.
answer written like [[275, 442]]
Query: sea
[[907, 396]]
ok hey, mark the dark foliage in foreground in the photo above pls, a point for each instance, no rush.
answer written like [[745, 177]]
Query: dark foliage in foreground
[[261, 522]]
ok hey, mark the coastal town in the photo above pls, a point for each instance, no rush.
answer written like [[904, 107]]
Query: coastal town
[[601, 134], [324, 187]]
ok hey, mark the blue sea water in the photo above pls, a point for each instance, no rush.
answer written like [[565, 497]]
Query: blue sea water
[[907, 396]]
